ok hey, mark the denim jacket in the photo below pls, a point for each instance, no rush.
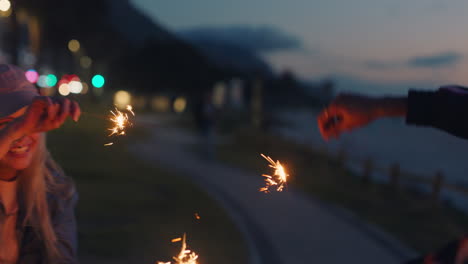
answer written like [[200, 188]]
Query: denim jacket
[[32, 250]]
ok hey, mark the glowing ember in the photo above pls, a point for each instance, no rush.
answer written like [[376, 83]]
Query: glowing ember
[[109, 144], [120, 121], [278, 179], [130, 109], [185, 256], [197, 216]]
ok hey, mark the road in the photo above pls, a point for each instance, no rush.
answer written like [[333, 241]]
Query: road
[[280, 228]]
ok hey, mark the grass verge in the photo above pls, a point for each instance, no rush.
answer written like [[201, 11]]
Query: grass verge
[[411, 217]]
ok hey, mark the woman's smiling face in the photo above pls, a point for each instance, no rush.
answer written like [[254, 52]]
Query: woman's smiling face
[[22, 150]]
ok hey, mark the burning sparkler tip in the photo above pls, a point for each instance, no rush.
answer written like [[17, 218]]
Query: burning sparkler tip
[[197, 216], [279, 177]]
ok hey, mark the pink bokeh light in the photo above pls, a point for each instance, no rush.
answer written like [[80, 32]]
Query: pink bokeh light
[[32, 76]]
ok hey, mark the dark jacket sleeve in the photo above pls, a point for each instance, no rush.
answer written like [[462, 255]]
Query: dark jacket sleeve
[[65, 228], [445, 109]]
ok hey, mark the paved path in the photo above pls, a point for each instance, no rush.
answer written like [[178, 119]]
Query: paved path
[[280, 228]]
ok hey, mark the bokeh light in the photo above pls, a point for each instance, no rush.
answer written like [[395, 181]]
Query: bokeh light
[[32, 76], [139, 102], [122, 99], [42, 81], [5, 5], [51, 80], [98, 81], [85, 88], [180, 104], [86, 62], [47, 91], [219, 94], [64, 89], [160, 103], [98, 91], [75, 87], [74, 45], [5, 13]]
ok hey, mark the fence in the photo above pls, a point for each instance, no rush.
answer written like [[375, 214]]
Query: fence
[[397, 177]]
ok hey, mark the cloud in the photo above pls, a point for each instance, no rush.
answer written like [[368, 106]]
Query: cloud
[[257, 39], [439, 60], [381, 65], [435, 60]]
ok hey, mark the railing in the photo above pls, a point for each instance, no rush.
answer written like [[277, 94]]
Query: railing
[[397, 177]]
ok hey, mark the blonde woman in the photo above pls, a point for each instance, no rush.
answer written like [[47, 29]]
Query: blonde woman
[[37, 222]]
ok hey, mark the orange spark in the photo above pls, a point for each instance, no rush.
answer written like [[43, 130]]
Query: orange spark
[[185, 256], [197, 216], [109, 144], [278, 179], [176, 240]]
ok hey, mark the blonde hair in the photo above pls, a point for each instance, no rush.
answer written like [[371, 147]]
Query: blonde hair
[[43, 176]]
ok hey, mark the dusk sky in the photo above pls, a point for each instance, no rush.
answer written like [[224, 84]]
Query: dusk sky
[[383, 40]]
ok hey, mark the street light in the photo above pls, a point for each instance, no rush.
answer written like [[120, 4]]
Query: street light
[[5, 8], [5, 5], [98, 81], [73, 45], [122, 99], [32, 76], [86, 62], [51, 80]]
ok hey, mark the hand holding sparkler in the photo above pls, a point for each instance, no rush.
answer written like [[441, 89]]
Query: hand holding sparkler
[[345, 113], [45, 114], [278, 179], [350, 111]]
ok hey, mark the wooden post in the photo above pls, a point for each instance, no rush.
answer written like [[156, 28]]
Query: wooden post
[[368, 166], [437, 186], [394, 174]]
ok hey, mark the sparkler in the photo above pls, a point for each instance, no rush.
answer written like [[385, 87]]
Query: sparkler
[[185, 256], [278, 179], [121, 122], [120, 119]]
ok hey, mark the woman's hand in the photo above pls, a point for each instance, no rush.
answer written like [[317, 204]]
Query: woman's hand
[[45, 114], [345, 113]]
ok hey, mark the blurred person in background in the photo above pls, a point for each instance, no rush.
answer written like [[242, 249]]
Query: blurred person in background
[[445, 109], [205, 119], [37, 201]]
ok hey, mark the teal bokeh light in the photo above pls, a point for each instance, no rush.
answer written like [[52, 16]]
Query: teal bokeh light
[[98, 81], [51, 80]]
